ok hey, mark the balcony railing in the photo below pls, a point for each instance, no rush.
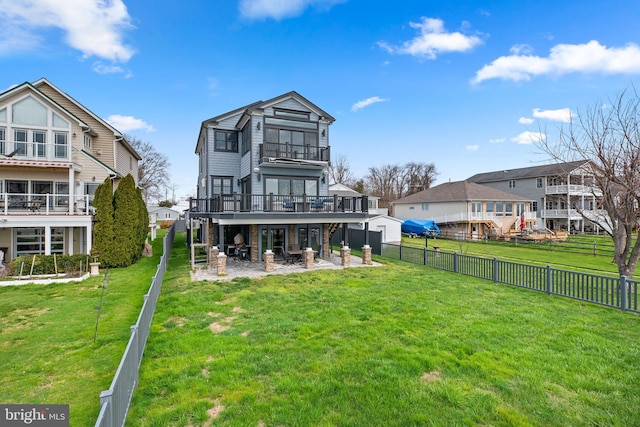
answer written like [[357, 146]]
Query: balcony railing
[[45, 204], [271, 203], [34, 151], [294, 151], [573, 189]]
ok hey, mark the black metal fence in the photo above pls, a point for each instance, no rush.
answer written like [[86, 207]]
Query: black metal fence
[[618, 292]]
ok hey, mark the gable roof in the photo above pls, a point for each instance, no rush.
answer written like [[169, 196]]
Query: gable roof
[[528, 172], [458, 191]]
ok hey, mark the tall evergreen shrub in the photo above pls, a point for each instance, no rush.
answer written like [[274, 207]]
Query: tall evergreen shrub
[[126, 222], [103, 232]]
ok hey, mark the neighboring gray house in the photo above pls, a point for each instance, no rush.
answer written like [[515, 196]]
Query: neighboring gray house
[[263, 174], [558, 191], [389, 227], [162, 213], [467, 209]]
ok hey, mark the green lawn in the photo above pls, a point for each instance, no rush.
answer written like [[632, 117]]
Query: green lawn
[[395, 346], [46, 335], [557, 255]]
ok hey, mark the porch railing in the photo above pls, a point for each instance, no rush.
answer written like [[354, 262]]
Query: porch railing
[[47, 204], [272, 203]]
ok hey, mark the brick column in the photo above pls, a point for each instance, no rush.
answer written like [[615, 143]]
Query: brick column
[[213, 257], [222, 264], [268, 257], [308, 258], [326, 244], [345, 254], [253, 231], [366, 255]]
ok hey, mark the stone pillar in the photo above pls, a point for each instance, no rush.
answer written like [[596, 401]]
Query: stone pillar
[[254, 241], [308, 258], [94, 271], [222, 264], [345, 254], [326, 243], [268, 260], [213, 257], [366, 255]]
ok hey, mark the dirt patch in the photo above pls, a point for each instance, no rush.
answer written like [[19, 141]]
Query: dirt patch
[[237, 310], [205, 372], [178, 321], [223, 325], [214, 412], [431, 377]]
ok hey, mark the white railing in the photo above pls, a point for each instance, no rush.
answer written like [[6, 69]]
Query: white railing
[[480, 216], [35, 151], [573, 189], [46, 204]]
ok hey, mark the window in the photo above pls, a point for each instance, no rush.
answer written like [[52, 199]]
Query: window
[[226, 141], [508, 209], [548, 204], [512, 183], [3, 115], [39, 139], [221, 185], [3, 146], [539, 183], [288, 186], [28, 111], [299, 115], [425, 206], [60, 144], [17, 190], [87, 141], [490, 207], [90, 190], [519, 209], [499, 209], [20, 141], [534, 206], [31, 240], [476, 208], [59, 122], [246, 139], [40, 189]]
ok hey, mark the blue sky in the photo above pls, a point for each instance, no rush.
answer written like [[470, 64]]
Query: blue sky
[[462, 84]]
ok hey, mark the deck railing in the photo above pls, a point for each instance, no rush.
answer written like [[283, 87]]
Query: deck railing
[[273, 203], [19, 150], [45, 204]]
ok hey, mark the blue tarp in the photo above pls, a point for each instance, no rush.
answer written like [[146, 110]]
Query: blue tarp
[[420, 227]]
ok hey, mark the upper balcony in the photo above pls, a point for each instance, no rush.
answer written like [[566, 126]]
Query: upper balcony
[[276, 204], [45, 204], [17, 150], [276, 150], [573, 190]]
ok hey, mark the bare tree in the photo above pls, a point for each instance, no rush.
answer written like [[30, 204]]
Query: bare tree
[[153, 169], [609, 137], [383, 182], [418, 177], [340, 172]]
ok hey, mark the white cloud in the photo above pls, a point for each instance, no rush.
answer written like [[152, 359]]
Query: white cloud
[[560, 115], [525, 120], [591, 57], [497, 140], [362, 104], [101, 68], [94, 27], [472, 147], [526, 138], [433, 40], [280, 9], [128, 123]]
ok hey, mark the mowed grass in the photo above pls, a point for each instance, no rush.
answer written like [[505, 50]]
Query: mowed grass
[[396, 345], [555, 254], [47, 351]]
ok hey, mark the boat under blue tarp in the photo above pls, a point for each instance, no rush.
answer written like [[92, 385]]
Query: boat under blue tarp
[[420, 227]]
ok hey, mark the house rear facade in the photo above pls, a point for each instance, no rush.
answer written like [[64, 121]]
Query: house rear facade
[[54, 152], [559, 192], [263, 175]]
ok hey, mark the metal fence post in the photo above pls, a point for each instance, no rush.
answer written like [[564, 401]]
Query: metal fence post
[[426, 257], [455, 262], [401, 252], [623, 293], [136, 351], [548, 281], [106, 397], [495, 270]]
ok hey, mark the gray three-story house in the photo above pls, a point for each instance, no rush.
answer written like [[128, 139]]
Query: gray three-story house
[[263, 179]]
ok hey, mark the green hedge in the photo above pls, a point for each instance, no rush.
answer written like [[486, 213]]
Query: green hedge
[[46, 264]]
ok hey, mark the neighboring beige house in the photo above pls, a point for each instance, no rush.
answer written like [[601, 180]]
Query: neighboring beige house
[[54, 152], [469, 209]]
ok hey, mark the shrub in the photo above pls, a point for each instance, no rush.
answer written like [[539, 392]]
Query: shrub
[[46, 264]]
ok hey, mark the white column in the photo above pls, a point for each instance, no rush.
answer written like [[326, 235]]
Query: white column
[[89, 238], [47, 240], [69, 232], [72, 190]]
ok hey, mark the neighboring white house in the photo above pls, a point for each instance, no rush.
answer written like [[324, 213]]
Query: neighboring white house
[[389, 227], [162, 213]]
